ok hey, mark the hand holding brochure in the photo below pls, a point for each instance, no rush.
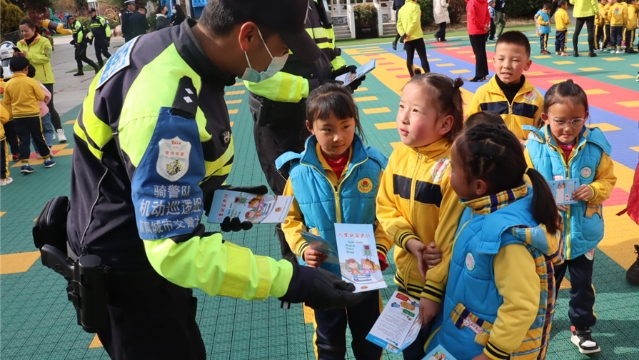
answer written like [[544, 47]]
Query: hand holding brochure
[[562, 190], [397, 325], [322, 245], [358, 259], [439, 353], [266, 209], [361, 71]]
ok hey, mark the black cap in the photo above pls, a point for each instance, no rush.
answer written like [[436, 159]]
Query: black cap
[[91, 10], [287, 18]]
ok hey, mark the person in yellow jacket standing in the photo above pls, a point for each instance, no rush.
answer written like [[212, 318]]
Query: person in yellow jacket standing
[[38, 52], [618, 15], [631, 26], [409, 26], [4, 149], [584, 12], [278, 104], [561, 22]]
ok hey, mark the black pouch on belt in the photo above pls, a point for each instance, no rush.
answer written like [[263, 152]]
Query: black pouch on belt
[[259, 108], [50, 227]]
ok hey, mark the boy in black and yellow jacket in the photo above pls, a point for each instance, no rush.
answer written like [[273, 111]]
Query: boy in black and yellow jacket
[[618, 15], [21, 96]]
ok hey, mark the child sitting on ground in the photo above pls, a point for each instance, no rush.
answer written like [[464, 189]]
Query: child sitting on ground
[[508, 93]]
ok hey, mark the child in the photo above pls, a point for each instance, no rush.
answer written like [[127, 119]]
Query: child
[[618, 15], [9, 127], [631, 26], [543, 27], [45, 116], [416, 205], [499, 299], [491, 11], [335, 180], [564, 139], [409, 26], [508, 93], [21, 97], [4, 149], [561, 22], [600, 22], [483, 117], [606, 16]]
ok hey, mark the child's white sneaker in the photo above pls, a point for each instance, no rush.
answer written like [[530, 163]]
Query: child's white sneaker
[[584, 341], [61, 137], [6, 181]]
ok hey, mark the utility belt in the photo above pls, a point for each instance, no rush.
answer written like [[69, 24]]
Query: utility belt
[[89, 282]]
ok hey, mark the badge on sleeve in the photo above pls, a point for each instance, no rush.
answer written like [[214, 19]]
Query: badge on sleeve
[[118, 61], [173, 158]]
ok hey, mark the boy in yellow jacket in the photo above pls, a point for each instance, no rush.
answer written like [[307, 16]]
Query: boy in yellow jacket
[[600, 22], [21, 96], [561, 21], [618, 15], [631, 26]]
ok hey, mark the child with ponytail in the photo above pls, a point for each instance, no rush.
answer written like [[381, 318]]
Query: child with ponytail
[[500, 296]]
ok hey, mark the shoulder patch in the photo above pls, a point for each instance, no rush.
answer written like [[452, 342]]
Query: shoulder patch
[[118, 61]]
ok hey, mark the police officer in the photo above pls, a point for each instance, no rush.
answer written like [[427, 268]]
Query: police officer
[[278, 104], [127, 31], [138, 22], [80, 41], [101, 36], [143, 173]]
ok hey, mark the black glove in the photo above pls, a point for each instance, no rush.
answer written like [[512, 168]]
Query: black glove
[[72, 42], [108, 42], [320, 289], [349, 69], [402, 39], [234, 224]]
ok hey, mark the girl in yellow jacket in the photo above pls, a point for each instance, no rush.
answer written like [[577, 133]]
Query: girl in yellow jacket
[[416, 204]]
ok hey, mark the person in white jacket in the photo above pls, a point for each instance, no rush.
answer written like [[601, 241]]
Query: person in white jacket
[[441, 17]]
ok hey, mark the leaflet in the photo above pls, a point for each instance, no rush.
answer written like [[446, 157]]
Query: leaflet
[[264, 209], [361, 71], [358, 259], [562, 190], [439, 353], [397, 325], [319, 244]]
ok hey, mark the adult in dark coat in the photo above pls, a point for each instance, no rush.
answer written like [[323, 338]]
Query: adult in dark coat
[[139, 23]]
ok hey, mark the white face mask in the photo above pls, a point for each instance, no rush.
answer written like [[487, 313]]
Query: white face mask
[[277, 63]]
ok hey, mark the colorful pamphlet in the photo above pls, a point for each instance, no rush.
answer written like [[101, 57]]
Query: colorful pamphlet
[[265, 209], [319, 244], [562, 190], [397, 325], [439, 353], [361, 71], [358, 259]]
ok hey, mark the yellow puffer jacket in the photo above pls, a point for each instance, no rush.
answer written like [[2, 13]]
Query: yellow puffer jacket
[[409, 21], [632, 18], [525, 109], [4, 118], [39, 54], [415, 200], [618, 14]]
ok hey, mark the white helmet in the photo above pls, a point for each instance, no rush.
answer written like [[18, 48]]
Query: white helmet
[[6, 50]]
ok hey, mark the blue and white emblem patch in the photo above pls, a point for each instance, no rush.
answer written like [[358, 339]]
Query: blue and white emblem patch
[[173, 158], [117, 62]]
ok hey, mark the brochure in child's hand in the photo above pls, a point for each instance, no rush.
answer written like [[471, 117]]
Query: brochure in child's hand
[[319, 244], [397, 325], [361, 71], [562, 190], [265, 209], [358, 259], [439, 353]]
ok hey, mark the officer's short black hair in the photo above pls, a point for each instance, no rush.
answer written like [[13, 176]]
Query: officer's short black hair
[[18, 63], [483, 117], [221, 16]]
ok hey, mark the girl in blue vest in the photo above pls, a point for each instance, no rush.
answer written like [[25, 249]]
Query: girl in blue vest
[[499, 297], [335, 180], [566, 149]]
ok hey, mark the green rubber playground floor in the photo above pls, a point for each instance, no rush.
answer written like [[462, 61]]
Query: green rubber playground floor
[[37, 321]]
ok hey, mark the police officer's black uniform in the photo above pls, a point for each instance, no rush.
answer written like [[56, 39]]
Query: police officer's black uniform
[[101, 37], [138, 23], [126, 25], [80, 42]]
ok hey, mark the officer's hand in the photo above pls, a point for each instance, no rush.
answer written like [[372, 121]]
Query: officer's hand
[[320, 289], [108, 42], [72, 42], [356, 83], [343, 70], [234, 224]]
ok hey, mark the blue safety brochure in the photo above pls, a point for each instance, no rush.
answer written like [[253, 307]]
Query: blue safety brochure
[[358, 259], [265, 209], [439, 353], [397, 325], [562, 190], [322, 245], [361, 71]]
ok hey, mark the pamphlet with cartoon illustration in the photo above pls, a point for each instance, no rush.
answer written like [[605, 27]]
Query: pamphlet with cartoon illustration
[[397, 325], [358, 259], [265, 209], [319, 244], [439, 353], [562, 190]]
